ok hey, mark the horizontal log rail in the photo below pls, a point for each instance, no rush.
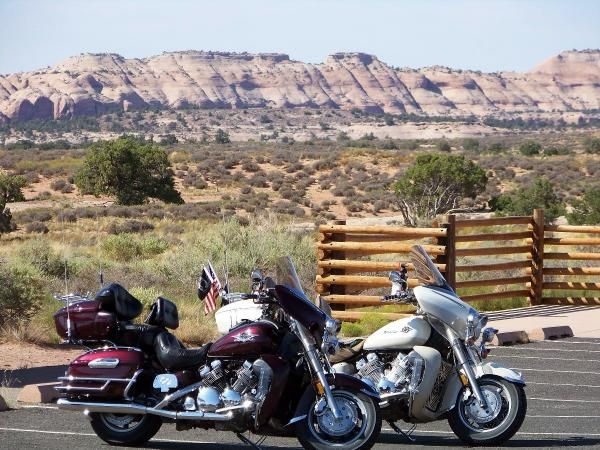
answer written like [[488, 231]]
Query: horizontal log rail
[[572, 285], [368, 266], [487, 251], [571, 241], [570, 256], [571, 300], [494, 266], [401, 231], [573, 229], [358, 280], [497, 295], [355, 300], [370, 238], [352, 316], [378, 247], [493, 282], [493, 236], [511, 220], [572, 271]]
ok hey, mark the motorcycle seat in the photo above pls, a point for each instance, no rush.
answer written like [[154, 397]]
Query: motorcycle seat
[[347, 352], [172, 355]]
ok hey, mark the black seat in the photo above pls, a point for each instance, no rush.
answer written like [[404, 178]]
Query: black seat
[[115, 298], [173, 356], [163, 313]]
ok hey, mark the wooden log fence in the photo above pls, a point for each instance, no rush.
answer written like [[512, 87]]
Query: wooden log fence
[[485, 260]]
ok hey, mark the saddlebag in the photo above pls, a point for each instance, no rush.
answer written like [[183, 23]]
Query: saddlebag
[[103, 373]]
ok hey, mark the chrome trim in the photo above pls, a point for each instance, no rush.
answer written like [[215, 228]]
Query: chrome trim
[[178, 394], [102, 388], [104, 363], [131, 383], [135, 408], [293, 420]]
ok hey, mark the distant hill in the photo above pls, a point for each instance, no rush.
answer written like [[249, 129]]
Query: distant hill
[[92, 84]]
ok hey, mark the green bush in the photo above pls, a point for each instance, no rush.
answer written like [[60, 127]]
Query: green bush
[[39, 254], [523, 201], [530, 148], [592, 145], [470, 144], [21, 294], [586, 210], [126, 246]]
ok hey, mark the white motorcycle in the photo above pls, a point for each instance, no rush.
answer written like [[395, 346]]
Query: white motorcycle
[[432, 366]]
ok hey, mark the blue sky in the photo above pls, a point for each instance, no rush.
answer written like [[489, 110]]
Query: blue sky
[[487, 35]]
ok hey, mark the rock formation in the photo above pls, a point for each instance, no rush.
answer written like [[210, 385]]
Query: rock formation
[[92, 84]]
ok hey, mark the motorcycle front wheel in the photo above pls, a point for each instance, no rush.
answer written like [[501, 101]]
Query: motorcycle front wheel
[[507, 405], [125, 429], [357, 429]]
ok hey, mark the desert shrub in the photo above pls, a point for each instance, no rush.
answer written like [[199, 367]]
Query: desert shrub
[[36, 227], [470, 144], [592, 145], [250, 166], [523, 201], [553, 151], [130, 226], [39, 254], [530, 148], [496, 147], [587, 209], [61, 185], [21, 294], [444, 146], [146, 295], [66, 216], [126, 246]]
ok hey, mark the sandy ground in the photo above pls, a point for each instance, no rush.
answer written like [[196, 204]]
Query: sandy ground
[[14, 356]]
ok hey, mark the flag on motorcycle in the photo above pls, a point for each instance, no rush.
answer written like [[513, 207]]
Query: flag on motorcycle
[[208, 288]]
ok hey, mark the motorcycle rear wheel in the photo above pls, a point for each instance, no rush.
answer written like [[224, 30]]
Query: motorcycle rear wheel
[[359, 431], [125, 429], [508, 405]]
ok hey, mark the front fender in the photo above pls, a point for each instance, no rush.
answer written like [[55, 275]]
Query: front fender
[[493, 368], [342, 380], [336, 381]]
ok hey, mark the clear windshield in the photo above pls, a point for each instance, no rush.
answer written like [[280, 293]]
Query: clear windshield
[[286, 273], [426, 271]]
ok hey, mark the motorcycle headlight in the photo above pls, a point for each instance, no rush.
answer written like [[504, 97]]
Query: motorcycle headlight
[[475, 323]]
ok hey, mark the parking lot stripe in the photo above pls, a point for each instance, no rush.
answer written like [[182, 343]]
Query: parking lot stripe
[[567, 342], [551, 359], [556, 371], [562, 400], [536, 349], [563, 417], [73, 433], [565, 384]]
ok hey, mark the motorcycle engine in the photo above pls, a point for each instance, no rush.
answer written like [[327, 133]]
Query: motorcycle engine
[[404, 372], [226, 388]]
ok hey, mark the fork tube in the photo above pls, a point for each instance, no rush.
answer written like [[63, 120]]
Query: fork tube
[[465, 363], [311, 353]]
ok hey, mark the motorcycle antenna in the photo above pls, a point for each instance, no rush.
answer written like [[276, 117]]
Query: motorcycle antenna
[[225, 265], [66, 275]]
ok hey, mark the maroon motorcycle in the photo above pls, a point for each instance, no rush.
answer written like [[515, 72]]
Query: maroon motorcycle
[[270, 376]]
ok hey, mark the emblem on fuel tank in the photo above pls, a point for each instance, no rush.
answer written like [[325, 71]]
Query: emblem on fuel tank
[[244, 336]]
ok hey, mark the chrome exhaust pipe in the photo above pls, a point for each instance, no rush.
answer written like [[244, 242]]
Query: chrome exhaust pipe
[[135, 408]]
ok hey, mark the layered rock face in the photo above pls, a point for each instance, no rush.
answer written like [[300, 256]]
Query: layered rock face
[[92, 84]]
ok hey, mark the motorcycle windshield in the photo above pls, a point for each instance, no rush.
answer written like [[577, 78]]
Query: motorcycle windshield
[[427, 272], [292, 298]]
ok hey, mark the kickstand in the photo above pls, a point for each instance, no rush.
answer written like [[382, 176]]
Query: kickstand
[[255, 445], [406, 434]]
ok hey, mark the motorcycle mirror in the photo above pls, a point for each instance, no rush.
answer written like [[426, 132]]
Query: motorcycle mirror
[[256, 276]]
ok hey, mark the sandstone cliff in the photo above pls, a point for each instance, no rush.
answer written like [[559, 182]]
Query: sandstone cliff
[[92, 84]]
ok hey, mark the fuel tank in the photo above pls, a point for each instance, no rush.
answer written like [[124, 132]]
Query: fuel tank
[[250, 339], [400, 334]]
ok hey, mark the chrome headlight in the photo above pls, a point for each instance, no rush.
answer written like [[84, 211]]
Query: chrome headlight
[[330, 341], [475, 323]]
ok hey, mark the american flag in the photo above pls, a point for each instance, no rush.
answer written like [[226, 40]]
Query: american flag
[[209, 277]]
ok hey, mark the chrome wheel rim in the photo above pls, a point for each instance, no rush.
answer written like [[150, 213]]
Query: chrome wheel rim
[[500, 406], [351, 427], [121, 422]]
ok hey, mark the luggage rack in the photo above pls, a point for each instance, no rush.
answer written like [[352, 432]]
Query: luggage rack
[[69, 299], [104, 383]]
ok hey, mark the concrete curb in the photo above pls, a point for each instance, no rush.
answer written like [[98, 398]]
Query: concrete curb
[[3, 404], [550, 333], [38, 393], [511, 338], [537, 334]]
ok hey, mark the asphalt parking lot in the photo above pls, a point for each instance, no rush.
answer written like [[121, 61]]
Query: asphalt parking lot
[[563, 390]]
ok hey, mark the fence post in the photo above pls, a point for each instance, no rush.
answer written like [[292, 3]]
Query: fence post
[[338, 254], [537, 260], [449, 258]]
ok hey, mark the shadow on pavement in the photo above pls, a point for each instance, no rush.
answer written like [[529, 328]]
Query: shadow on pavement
[[443, 441], [34, 375]]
